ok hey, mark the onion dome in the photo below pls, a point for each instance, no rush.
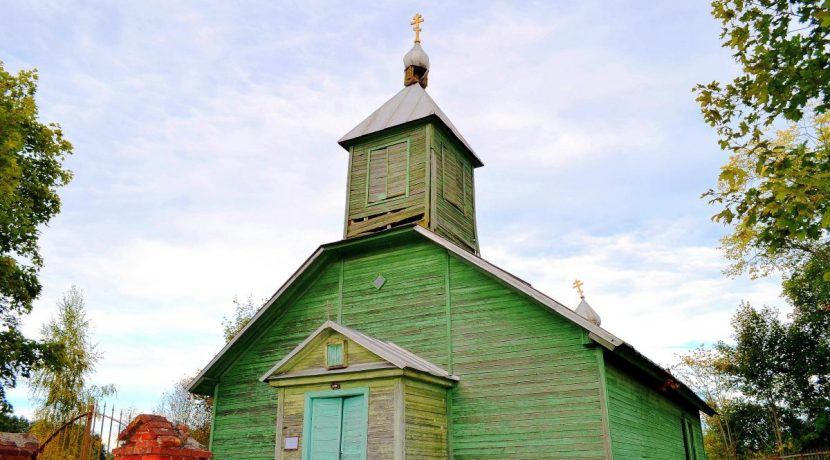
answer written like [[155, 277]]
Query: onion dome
[[584, 310], [416, 57]]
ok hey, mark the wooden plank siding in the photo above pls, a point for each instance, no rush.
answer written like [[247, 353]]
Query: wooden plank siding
[[425, 421], [409, 309], [644, 422], [246, 408], [363, 214], [529, 388], [454, 223]]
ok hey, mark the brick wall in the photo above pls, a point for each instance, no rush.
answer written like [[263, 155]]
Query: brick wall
[[153, 437], [18, 446]]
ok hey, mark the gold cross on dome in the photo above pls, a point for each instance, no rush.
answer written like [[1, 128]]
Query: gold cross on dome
[[416, 26], [578, 286]]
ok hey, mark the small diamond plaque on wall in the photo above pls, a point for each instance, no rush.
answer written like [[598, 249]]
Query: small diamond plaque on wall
[[379, 281]]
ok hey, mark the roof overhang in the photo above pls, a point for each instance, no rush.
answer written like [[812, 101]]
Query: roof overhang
[[392, 354], [410, 105]]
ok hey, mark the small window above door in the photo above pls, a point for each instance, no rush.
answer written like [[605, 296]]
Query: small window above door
[[336, 354]]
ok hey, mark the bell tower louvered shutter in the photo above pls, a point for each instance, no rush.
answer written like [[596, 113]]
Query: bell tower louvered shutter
[[378, 164], [396, 178], [453, 179], [388, 169]]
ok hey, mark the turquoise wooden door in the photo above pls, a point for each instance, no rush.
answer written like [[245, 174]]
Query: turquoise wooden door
[[336, 428], [353, 429], [325, 428]]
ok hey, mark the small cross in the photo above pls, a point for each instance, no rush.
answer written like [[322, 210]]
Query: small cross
[[578, 286], [416, 26]]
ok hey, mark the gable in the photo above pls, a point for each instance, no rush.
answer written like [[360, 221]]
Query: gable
[[313, 356], [334, 347], [419, 327]]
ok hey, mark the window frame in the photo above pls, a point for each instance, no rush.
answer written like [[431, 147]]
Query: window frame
[[344, 347], [369, 171]]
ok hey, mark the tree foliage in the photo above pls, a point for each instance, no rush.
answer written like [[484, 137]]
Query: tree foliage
[[779, 199], [774, 189], [195, 411], [243, 313], [772, 382], [65, 390], [31, 171], [14, 423], [702, 369]]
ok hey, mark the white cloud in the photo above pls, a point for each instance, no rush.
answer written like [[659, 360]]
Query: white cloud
[[651, 287], [206, 163]]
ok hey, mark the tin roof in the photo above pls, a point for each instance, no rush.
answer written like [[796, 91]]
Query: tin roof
[[410, 104]]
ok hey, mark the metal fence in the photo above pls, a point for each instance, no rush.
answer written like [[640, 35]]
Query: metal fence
[[86, 436]]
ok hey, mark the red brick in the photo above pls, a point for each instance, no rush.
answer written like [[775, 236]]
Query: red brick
[[151, 437]]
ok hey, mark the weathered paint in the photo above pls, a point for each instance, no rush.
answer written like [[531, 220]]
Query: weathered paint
[[366, 215], [430, 148], [335, 424], [529, 387], [406, 416], [454, 223], [644, 422], [425, 421], [245, 407], [314, 357], [380, 398], [213, 416]]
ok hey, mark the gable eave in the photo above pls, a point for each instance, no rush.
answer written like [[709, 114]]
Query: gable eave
[[209, 375], [206, 378], [611, 341], [599, 335]]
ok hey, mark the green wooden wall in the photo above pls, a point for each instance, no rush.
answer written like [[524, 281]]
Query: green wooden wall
[[644, 423], [425, 421], [245, 421], [529, 387], [447, 219]]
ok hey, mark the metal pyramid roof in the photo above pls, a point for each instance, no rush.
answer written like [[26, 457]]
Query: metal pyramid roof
[[410, 104]]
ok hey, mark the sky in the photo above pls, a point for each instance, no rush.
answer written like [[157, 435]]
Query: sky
[[206, 164]]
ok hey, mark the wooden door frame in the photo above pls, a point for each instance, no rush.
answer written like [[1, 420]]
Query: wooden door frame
[[310, 396]]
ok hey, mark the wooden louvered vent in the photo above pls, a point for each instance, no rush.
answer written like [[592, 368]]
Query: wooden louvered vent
[[453, 179], [388, 168]]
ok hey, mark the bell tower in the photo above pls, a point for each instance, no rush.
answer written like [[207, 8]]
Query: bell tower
[[409, 164]]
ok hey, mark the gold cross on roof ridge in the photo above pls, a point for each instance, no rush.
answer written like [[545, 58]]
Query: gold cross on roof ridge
[[578, 286], [416, 26]]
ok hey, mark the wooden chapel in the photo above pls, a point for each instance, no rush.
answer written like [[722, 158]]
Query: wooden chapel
[[401, 342]]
